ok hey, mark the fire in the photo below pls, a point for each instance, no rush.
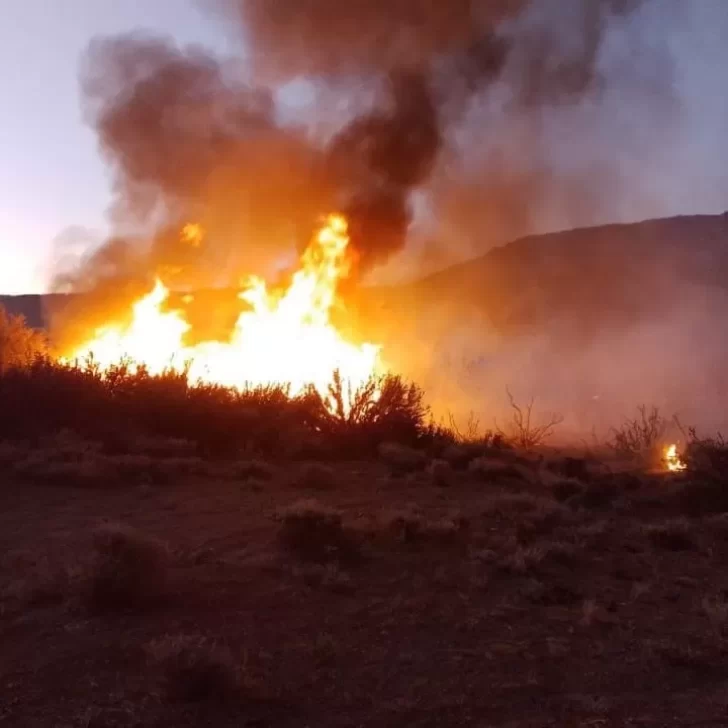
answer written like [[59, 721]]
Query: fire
[[286, 337], [673, 460]]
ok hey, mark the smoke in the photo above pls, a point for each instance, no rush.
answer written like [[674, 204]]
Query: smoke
[[497, 118], [190, 136]]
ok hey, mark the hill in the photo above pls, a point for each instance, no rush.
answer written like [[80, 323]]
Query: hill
[[590, 274], [593, 277]]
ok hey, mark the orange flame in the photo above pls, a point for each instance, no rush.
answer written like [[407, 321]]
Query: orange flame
[[286, 337], [673, 460]]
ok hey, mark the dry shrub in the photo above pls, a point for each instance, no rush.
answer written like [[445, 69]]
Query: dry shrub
[[384, 409], [571, 468], [313, 531], [45, 396], [674, 535], [129, 569], [599, 494], [409, 526], [494, 470], [442, 474], [315, 476], [194, 669], [702, 496], [470, 438], [641, 436], [563, 490], [522, 431], [532, 515], [707, 452], [400, 459], [89, 470]]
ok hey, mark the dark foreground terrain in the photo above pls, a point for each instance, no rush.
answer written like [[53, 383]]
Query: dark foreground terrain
[[157, 589]]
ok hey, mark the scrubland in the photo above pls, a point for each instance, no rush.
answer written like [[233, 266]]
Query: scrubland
[[176, 555]]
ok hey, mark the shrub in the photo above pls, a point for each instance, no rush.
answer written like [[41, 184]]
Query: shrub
[[129, 569], [707, 456], [312, 531], [401, 459], [410, 527], [442, 474], [471, 434], [673, 535], [194, 669], [384, 409], [639, 436], [522, 431], [45, 396]]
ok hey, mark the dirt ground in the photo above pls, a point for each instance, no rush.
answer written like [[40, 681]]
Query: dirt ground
[[501, 595]]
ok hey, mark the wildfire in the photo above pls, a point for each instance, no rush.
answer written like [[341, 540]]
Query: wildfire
[[285, 338], [673, 460]]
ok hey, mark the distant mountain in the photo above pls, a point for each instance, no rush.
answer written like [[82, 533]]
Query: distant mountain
[[593, 277]]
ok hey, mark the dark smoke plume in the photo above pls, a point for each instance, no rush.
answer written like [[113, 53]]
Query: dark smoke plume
[[194, 138]]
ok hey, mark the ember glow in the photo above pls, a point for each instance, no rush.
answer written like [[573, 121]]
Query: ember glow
[[285, 337], [673, 460]]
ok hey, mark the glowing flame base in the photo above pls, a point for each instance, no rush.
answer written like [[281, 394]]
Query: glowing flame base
[[285, 338], [673, 461]]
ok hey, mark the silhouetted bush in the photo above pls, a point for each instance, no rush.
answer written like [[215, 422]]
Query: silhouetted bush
[[641, 435], [44, 396]]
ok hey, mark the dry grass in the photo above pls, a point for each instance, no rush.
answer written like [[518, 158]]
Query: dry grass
[[129, 569], [194, 669]]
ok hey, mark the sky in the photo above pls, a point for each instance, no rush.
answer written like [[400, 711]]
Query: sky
[[51, 174]]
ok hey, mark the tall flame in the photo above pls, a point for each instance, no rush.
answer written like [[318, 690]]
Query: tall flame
[[285, 338]]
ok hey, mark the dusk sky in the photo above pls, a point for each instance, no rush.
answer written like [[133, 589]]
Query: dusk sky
[[51, 174], [52, 177]]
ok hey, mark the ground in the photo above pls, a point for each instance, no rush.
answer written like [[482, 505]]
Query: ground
[[389, 592]]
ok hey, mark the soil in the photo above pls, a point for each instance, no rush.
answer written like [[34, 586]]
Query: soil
[[476, 599]]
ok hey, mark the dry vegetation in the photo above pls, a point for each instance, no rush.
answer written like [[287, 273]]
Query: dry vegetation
[[174, 556]]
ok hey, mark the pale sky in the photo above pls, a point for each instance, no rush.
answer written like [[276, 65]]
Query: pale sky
[[51, 175]]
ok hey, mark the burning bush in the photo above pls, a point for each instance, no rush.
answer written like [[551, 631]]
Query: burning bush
[[19, 344]]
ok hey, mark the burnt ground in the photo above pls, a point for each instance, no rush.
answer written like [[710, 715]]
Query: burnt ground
[[497, 595]]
